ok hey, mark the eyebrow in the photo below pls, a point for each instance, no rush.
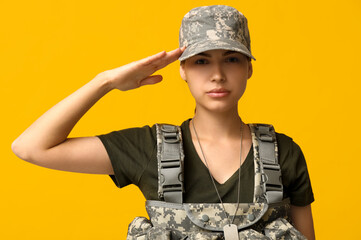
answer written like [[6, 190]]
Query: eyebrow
[[207, 55]]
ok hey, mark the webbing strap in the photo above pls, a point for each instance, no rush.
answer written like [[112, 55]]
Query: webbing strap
[[268, 156], [170, 163], [171, 159]]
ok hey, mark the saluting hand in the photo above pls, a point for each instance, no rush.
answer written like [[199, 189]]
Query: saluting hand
[[46, 142], [139, 73]]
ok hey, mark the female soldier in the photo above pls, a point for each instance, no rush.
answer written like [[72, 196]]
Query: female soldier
[[216, 63]]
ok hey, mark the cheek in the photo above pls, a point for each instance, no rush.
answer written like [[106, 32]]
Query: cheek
[[242, 87], [194, 89]]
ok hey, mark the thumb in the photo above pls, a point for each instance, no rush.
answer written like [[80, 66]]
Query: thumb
[[151, 80]]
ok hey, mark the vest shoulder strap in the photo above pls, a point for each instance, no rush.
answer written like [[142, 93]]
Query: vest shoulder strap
[[266, 163], [170, 157]]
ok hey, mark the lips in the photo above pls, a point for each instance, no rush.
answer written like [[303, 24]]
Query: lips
[[218, 92]]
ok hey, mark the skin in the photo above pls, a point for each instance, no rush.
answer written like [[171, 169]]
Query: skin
[[46, 143], [217, 80], [217, 119]]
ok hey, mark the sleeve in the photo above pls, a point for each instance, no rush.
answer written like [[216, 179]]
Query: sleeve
[[295, 177], [129, 151]]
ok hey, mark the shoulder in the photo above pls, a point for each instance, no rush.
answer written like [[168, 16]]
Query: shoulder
[[129, 131], [285, 141], [290, 157], [136, 136], [146, 134], [295, 176], [287, 147]]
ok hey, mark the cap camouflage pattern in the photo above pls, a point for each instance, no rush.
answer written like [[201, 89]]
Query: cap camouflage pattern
[[214, 27]]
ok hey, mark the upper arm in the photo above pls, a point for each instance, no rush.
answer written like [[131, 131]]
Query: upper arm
[[303, 221], [84, 155]]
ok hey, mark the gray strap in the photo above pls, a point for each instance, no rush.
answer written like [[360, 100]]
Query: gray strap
[[170, 163], [270, 168]]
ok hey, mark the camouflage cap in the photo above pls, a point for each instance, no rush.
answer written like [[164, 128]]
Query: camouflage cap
[[214, 27]]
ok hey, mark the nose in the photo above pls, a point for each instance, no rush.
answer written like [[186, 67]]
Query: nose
[[218, 73]]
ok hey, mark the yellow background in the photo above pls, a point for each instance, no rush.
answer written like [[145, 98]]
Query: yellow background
[[306, 82]]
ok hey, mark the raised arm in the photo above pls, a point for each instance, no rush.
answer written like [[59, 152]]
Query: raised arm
[[46, 143]]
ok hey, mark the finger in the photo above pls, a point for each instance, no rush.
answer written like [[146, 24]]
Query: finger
[[166, 59], [175, 54], [155, 57], [160, 60], [151, 80]]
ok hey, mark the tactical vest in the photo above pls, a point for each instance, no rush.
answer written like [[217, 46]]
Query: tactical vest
[[268, 217]]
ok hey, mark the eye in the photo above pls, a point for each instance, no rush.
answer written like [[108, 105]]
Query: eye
[[201, 61], [233, 59]]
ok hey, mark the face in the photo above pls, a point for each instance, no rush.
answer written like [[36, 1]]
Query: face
[[217, 79]]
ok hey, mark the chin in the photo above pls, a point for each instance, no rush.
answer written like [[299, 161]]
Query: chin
[[218, 106], [221, 108]]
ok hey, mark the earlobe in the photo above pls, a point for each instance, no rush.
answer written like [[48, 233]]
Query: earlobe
[[182, 73], [250, 69]]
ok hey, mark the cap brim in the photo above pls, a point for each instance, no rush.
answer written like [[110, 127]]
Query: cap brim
[[199, 47]]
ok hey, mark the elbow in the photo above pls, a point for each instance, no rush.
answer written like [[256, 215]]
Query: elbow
[[28, 152], [20, 150]]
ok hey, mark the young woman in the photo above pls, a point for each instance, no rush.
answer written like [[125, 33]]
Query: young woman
[[216, 64]]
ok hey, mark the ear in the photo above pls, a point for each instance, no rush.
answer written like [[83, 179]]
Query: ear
[[182, 72], [250, 69]]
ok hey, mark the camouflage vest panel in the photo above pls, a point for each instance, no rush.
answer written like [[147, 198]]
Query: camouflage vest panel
[[268, 217]]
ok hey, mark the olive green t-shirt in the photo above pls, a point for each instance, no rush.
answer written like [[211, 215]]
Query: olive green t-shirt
[[133, 154]]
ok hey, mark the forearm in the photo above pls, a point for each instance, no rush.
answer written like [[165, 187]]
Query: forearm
[[54, 126], [47, 139]]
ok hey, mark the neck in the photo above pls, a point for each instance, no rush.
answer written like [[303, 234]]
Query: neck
[[219, 126]]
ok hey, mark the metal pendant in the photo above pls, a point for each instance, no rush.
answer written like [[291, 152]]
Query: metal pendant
[[230, 232]]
